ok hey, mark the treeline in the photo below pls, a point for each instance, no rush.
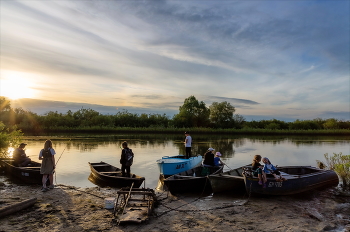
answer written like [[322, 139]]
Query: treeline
[[192, 114]]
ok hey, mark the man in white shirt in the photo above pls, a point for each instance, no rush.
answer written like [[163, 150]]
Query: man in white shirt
[[188, 144]]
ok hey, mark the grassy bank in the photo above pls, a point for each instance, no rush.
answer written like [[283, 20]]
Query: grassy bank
[[249, 131]]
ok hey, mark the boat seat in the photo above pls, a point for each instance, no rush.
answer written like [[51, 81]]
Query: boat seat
[[101, 165]]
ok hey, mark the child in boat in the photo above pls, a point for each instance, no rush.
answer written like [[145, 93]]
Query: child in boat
[[270, 169], [258, 171], [217, 160]]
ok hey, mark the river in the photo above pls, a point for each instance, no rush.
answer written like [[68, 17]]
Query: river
[[74, 152]]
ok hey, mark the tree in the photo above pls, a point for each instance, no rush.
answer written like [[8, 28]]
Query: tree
[[222, 114], [192, 114], [5, 104]]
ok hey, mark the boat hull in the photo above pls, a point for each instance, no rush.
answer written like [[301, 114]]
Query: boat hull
[[111, 176], [29, 175], [193, 180], [228, 181], [170, 165], [299, 179]]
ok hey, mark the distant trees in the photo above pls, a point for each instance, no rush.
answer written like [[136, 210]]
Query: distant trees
[[222, 115], [192, 113]]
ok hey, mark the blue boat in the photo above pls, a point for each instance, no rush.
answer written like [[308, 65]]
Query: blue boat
[[170, 165], [298, 179]]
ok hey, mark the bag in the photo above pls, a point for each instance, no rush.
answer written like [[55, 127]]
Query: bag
[[129, 155], [46, 153]]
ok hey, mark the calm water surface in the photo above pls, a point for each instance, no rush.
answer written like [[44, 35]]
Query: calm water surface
[[74, 152]]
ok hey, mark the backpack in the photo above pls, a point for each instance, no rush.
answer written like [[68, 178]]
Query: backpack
[[129, 155], [46, 153]]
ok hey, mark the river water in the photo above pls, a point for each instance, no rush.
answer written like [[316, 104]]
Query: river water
[[74, 152]]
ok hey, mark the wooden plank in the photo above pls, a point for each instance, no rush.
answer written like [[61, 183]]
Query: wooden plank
[[16, 207], [100, 165]]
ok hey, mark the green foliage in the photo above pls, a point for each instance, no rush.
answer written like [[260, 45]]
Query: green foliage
[[341, 165], [8, 138], [192, 114], [222, 114]]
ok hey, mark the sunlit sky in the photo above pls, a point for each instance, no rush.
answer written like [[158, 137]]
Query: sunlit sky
[[270, 59]]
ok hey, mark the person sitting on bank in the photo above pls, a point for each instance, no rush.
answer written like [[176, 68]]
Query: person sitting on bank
[[20, 157], [209, 158], [217, 160]]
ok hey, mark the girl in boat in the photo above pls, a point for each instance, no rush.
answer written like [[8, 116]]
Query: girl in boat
[[270, 169], [47, 155], [257, 169], [217, 160]]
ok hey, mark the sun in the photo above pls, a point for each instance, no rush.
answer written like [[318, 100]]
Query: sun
[[15, 87]]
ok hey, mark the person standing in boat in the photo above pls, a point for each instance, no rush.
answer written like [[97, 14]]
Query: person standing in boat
[[47, 155], [209, 158], [188, 144], [126, 159], [20, 157]]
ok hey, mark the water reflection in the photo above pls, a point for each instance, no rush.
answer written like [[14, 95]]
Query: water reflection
[[77, 150]]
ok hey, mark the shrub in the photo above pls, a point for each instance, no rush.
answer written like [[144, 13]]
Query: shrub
[[341, 165]]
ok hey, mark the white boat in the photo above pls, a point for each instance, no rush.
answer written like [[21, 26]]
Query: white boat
[[170, 165]]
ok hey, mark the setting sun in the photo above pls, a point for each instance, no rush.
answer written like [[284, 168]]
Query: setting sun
[[14, 87]]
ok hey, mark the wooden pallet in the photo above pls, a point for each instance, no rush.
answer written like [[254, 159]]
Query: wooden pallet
[[134, 205]]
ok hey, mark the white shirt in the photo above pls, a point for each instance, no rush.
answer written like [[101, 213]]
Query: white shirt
[[188, 141]]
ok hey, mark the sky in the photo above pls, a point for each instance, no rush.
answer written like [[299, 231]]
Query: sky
[[286, 60]]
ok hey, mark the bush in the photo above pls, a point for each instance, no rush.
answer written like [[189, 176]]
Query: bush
[[341, 165], [8, 138]]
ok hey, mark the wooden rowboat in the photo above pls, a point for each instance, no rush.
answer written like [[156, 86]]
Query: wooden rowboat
[[193, 180], [232, 180], [28, 175], [298, 179], [112, 176]]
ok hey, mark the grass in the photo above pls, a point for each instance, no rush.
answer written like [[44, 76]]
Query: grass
[[197, 130], [341, 165]]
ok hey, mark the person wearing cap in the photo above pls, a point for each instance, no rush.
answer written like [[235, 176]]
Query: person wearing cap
[[20, 157], [209, 158], [188, 144], [217, 160]]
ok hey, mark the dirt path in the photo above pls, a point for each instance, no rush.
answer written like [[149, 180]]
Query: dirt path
[[75, 209]]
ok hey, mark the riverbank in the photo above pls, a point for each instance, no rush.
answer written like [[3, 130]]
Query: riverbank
[[67, 208]]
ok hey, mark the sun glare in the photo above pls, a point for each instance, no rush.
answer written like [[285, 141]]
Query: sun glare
[[14, 87]]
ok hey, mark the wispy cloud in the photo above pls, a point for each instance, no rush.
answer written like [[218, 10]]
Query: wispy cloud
[[264, 57]]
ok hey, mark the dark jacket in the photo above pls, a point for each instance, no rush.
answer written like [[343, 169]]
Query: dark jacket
[[123, 157], [209, 158]]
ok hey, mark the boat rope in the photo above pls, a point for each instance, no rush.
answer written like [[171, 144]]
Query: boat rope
[[200, 196]]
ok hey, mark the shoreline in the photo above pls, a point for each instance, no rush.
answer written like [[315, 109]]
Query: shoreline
[[68, 208]]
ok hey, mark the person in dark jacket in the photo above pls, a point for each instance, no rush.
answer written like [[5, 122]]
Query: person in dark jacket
[[124, 160], [209, 158]]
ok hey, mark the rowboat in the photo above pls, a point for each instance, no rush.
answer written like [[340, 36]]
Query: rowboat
[[193, 180], [231, 180], [29, 175], [298, 179], [112, 176], [170, 165]]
